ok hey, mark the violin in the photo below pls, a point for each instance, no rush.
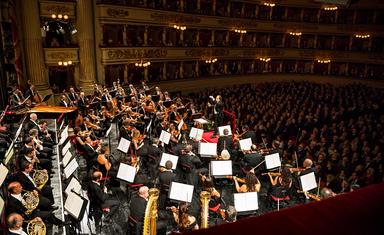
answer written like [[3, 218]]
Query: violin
[[241, 180], [310, 195], [272, 173], [297, 169]]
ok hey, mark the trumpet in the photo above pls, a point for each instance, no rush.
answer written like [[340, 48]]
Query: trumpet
[[30, 201], [40, 177]]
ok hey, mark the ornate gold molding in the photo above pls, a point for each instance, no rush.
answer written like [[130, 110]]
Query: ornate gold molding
[[175, 18], [237, 23], [47, 8], [198, 52], [117, 12], [54, 55], [119, 54]]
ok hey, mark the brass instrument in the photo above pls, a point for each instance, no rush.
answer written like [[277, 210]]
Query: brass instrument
[[150, 217], [36, 227], [30, 201], [205, 197], [40, 177]]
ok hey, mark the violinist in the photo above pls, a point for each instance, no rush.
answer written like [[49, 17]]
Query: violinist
[[82, 102], [280, 186], [102, 162], [96, 91], [133, 91], [90, 152], [120, 93], [252, 183], [185, 221], [175, 134], [125, 130], [32, 94], [137, 140], [73, 97], [17, 97], [173, 114]]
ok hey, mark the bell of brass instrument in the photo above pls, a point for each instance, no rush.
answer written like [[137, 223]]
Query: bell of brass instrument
[[150, 217], [30, 201], [40, 177], [36, 227], [205, 197]]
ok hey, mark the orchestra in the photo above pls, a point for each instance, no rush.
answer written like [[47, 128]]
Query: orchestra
[[141, 114]]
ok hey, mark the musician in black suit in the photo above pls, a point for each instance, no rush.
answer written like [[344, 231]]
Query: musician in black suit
[[63, 102], [82, 102], [248, 134], [90, 153], [139, 204], [154, 154], [189, 163], [72, 95], [31, 123], [30, 93], [166, 176], [25, 177], [99, 196], [15, 205], [218, 109]]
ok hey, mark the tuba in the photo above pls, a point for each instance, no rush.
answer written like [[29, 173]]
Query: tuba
[[36, 227], [205, 197], [40, 177], [30, 201], [150, 217]]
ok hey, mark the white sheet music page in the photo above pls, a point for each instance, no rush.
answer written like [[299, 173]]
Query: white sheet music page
[[208, 149], [74, 185], [245, 144], [246, 201], [66, 148], [70, 168], [73, 204], [3, 173], [222, 128], [124, 145], [272, 161], [221, 168], [126, 172], [67, 157], [169, 157], [165, 137], [308, 182], [181, 192], [64, 135]]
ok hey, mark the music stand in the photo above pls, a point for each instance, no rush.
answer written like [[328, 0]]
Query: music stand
[[207, 149], [73, 186], [65, 149], [1, 205], [165, 137], [246, 203], [196, 133], [76, 205], [308, 182], [221, 169], [46, 98], [3, 173], [70, 168], [272, 161], [155, 98], [222, 128], [169, 157], [124, 145], [126, 172], [64, 135], [9, 154], [245, 144], [67, 158], [180, 192], [167, 103]]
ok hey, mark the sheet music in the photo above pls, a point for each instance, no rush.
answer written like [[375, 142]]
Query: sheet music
[[196, 133], [1, 205], [74, 185], [73, 204], [66, 148], [64, 135], [9, 154], [18, 131], [221, 168], [70, 168], [246, 201], [245, 144], [124, 145], [3, 173], [208, 149], [181, 192], [108, 131], [222, 128], [308, 181], [149, 126], [67, 157], [126, 172], [169, 157], [181, 123], [165, 137], [201, 121], [272, 161]]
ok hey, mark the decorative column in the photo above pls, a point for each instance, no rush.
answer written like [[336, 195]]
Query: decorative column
[[164, 71], [182, 5], [126, 74], [213, 37], [198, 38], [227, 38], [181, 69], [197, 69], [225, 68], [350, 43], [145, 35], [333, 43], [214, 7], [198, 5], [181, 37], [85, 36], [146, 74], [125, 35], [164, 36], [229, 8], [34, 56]]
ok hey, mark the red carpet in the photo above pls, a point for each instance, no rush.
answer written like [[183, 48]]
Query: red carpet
[[359, 212], [207, 137]]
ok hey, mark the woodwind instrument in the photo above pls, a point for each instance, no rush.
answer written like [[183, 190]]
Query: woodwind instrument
[[150, 216], [205, 197]]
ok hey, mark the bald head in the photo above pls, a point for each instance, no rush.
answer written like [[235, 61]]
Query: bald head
[[307, 163], [143, 192], [97, 175], [15, 221], [33, 116], [15, 187]]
